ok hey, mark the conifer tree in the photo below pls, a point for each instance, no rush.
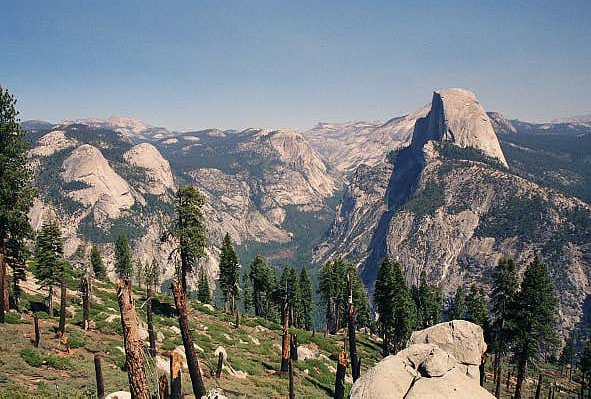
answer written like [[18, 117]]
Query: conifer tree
[[17, 254], [96, 261], [188, 230], [307, 299], [384, 291], [153, 274], [229, 273], [49, 258], [264, 286], [16, 198], [203, 291], [289, 287], [534, 318], [585, 366], [458, 308], [247, 298], [429, 303], [123, 265], [477, 308]]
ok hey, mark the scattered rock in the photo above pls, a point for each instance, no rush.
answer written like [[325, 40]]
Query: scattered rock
[[227, 337], [119, 395], [260, 329], [162, 364], [306, 352], [208, 307], [159, 336], [112, 317], [175, 330], [254, 340], [214, 394], [222, 350]]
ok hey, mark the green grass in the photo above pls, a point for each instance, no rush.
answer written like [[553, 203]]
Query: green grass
[[35, 358]]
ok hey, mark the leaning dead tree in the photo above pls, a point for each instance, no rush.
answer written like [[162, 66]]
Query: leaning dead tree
[[134, 346], [285, 339], [180, 301], [355, 363]]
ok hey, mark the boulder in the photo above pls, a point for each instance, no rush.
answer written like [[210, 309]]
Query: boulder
[[214, 394], [439, 362], [462, 339]]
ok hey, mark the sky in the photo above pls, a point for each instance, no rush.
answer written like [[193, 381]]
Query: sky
[[290, 64]]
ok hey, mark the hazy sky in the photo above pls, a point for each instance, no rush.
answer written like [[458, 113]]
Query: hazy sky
[[236, 64]]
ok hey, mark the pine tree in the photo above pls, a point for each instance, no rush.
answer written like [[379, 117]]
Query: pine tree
[[188, 229], [307, 299], [49, 258], [16, 198], [96, 261], [534, 318], [429, 303], [458, 308], [247, 298], [384, 291], [585, 366], [405, 313], [153, 274], [333, 291], [229, 273], [203, 291], [17, 254], [264, 286], [122, 257], [477, 308], [289, 287], [139, 271]]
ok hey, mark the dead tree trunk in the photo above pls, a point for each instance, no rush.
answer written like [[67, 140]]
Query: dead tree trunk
[[291, 388], [293, 349], [62, 325], [151, 334], [163, 387], [175, 376], [50, 301], [218, 371], [352, 338], [539, 387], [84, 287], [180, 300], [499, 376], [134, 346], [339, 384], [36, 323], [3, 286], [285, 339], [237, 325], [98, 370]]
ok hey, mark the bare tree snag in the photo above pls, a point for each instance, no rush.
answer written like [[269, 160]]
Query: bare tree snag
[[293, 350], [339, 384], [285, 340], [218, 371], [84, 287], [36, 324], [180, 300], [63, 294], [291, 391], [499, 376], [4, 284], [134, 346], [351, 333], [98, 370], [175, 376], [163, 387], [50, 301], [237, 325], [539, 387], [151, 334]]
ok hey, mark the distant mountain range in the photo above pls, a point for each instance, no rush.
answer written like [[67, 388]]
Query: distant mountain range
[[447, 190]]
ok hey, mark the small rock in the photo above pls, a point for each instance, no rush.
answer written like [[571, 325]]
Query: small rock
[[119, 395], [175, 329], [214, 394], [162, 364], [227, 337], [159, 336], [254, 340], [208, 306], [112, 317], [260, 329], [222, 350]]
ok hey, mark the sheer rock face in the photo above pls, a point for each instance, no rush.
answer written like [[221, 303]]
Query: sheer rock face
[[434, 365], [104, 187], [457, 116], [345, 146], [158, 174]]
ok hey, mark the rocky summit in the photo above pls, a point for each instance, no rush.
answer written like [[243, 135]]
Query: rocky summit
[[440, 362]]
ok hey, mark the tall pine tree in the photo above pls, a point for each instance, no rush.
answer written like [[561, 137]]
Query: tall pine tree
[[16, 198], [458, 306], [429, 303], [289, 287], [229, 280], [123, 264], [49, 258], [534, 318], [264, 284], [188, 230], [96, 261], [307, 299]]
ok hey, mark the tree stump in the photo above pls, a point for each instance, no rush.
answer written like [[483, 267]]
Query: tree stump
[[134, 346], [98, 371], [36, 323], [175, 376], [339, 384], [163, 387]]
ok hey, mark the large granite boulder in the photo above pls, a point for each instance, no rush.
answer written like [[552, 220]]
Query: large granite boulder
[[439, 362]]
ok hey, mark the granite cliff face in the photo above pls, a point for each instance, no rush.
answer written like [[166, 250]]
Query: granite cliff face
[[452, 212]]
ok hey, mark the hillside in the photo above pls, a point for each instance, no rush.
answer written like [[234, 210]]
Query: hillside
[[250, 370]]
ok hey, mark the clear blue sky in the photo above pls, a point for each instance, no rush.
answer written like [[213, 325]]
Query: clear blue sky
[[235, 64]]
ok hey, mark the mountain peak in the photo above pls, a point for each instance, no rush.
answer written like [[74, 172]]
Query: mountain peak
[[457, 116]]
